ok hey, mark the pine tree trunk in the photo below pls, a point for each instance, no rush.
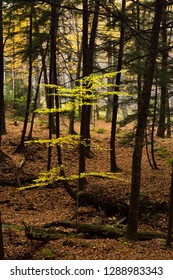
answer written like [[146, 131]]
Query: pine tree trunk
[[21, 146], [162, 113], [141, 125], [113, 163], [88, 57]]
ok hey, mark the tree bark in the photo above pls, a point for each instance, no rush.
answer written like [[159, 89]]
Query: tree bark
[[162, 112], [21, 146], [141, 125], [2, 106], [88, 57], [170, 221], [113, 163], [110, 81], [168, 119], [1, 241]]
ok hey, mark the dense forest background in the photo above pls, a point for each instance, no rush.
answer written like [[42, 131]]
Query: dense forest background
[[79, 81]]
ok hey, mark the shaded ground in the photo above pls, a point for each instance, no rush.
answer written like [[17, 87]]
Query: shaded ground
[[43, 205]]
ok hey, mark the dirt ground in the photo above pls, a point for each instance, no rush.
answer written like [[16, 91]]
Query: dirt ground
[[38, 206]]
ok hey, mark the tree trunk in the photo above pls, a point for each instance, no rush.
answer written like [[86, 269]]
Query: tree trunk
[[77, 83], [35, 105], [21, 147], [153, 128], [168, 119], [138, 50], [43, 69], [1, 241], [88, 57], [52, 75], [141, 125], [2, 106], [114, 167], [110, 81], [170, 221], [53, 80], [162, 113]]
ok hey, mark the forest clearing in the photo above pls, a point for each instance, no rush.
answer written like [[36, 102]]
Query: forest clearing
[[43, 205]]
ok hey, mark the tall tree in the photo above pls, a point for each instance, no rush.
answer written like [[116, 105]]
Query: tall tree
[[142, 122], [164, 76], [52, 72], [21, 146], [55, 13], [114, 167], [170, 220], [1, 241], [2, 106], [88, 63]]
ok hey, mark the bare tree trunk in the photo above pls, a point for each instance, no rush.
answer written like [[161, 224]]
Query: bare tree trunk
[[35, 105], [88, 57], [168, 119], [153, 128], [141, 125], [170, 221], [1, 241], [82, 147], [162, 113], [114, 167], [53, 80], [52, 74], [2, 106], [21, 146], [139, 75], [110, 81], [77, 83], [43, 70]]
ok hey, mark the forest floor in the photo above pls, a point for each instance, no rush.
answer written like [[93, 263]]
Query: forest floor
[[38, 206]]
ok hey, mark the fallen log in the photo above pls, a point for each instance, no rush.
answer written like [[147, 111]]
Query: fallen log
[[109, 231], [90, 229], [44, 235], [84, 230]]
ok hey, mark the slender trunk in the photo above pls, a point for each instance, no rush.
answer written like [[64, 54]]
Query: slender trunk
[[110, 81], [77, 83], [162, 113], [53, 80], [38, 87], [147, 148], [168, 117], [138, 49], [2, 106], [52, 75], [91, 52], [141, 125], [1, 241], [153, 128], [21, 146], [114, 167], [88, 57], [35, 105], [170, 221]]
